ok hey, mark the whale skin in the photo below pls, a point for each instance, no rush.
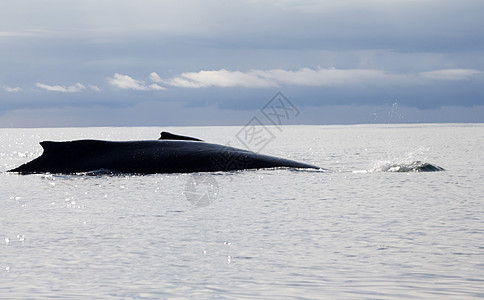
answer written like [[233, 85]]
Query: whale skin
[[166, 155]]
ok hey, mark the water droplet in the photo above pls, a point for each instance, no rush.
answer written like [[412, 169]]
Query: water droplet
[[7, 269], [21, 238], [7, 240]]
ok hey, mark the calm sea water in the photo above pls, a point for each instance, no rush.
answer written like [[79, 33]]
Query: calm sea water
[[352, 232]]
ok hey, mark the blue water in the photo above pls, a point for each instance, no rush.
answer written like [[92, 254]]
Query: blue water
[[356, 231]]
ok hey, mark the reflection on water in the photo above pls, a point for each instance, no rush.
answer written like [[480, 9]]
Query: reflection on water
[[201, 189]]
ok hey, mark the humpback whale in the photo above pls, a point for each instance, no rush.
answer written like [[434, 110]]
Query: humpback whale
[[169, 154]]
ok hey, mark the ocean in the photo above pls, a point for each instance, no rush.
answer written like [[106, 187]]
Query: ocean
[[365, 227]]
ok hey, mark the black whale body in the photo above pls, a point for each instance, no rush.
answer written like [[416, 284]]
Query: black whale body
[[170, 154]]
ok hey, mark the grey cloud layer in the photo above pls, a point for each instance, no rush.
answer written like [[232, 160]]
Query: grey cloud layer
[[426, 53]]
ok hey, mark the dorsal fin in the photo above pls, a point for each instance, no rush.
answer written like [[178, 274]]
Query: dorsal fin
[[170, 136], [50, 146]]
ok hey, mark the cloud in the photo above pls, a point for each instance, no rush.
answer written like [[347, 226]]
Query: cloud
[[221, 78], [278, 77], [317, 77], [11, 89], [156, 87], [452, 74], [325, 77], [94, 88], [62, 89], [126, 82], [155, 77], [304, 77]]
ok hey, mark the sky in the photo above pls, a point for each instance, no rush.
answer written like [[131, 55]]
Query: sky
[[184, 63]]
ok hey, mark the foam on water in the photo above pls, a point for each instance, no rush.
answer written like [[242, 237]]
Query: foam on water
[[415, 166]]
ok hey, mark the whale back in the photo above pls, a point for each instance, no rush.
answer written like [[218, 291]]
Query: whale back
[[79, 146], [147, 157]]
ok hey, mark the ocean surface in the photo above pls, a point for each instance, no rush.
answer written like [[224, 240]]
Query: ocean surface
[[367, 227]]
